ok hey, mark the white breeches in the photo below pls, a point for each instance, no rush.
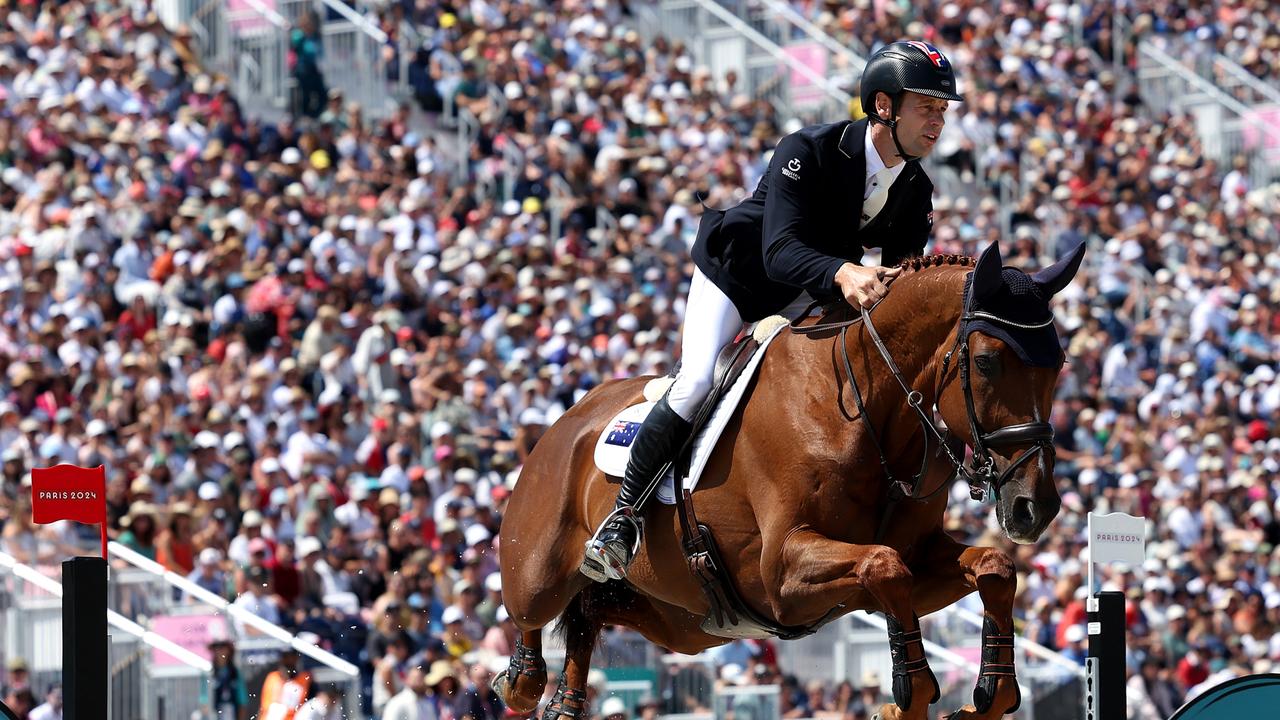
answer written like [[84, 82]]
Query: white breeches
[[710, 322]]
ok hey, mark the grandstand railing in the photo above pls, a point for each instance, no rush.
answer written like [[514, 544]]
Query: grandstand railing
[[1224, 122], [792, 25], [156, 671], [724, 41], [248, 45]]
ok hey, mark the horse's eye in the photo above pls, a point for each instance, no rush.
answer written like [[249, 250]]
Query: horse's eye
[[988, 364]]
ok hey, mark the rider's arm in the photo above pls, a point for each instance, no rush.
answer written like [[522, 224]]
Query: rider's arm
[[794, 188]]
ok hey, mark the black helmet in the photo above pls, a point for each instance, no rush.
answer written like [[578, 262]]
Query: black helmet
[[906, 65]]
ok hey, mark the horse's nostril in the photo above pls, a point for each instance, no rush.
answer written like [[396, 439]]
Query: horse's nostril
[[1024, 514]]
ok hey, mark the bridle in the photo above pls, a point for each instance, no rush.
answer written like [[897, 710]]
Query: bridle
[[982, 473]]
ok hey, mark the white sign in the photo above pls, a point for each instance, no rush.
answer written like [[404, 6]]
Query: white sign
[[1117, 537]]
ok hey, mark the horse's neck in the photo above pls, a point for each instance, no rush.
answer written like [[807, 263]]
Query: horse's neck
[[917, 321]]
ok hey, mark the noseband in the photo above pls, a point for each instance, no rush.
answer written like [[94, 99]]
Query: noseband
[[982, 473]]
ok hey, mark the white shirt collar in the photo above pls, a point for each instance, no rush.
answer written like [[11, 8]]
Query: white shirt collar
[[875, 164]]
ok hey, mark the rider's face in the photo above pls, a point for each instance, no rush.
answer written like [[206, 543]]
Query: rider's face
[[920, 121]]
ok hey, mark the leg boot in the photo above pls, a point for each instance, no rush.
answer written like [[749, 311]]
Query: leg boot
[[610, 552]]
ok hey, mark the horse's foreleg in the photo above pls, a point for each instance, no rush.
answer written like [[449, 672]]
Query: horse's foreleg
[[819, 573], [955, 570]]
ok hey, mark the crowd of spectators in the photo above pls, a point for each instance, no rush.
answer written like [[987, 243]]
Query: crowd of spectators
[[312, 363]]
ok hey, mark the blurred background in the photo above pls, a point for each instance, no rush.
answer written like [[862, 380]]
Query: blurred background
[[310, 278]]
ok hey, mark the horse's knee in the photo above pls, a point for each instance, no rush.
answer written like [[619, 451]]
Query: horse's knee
[[995, 564], [882, 565]]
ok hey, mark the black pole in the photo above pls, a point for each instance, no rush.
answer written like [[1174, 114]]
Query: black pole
[[84, 638], [1106, 676]]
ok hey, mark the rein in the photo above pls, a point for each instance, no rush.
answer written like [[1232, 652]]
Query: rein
[[982, 474]]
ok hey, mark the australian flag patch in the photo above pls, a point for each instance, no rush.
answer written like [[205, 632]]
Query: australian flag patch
[[623, 433]]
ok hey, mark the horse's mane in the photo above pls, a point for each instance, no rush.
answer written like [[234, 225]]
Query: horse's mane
[[922, 262]]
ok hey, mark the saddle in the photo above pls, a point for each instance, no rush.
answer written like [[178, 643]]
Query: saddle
[[730, 616]]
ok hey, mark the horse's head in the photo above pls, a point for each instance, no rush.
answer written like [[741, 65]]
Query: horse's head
[[999, 383]]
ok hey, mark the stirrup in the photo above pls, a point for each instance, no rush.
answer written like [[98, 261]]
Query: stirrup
[[603, 561]]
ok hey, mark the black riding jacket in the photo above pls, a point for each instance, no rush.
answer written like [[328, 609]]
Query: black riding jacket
[[801, 223]]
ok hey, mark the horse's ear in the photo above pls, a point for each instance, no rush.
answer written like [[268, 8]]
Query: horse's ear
[[988, 272], [1055, 277]]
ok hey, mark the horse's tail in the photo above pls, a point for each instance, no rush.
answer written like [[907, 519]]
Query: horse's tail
[[591, 608]]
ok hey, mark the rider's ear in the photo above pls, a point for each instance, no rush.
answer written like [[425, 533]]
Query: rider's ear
[[1055, 277], [988, 272]]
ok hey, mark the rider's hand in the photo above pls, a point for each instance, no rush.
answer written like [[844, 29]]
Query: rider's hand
[[862, 286]]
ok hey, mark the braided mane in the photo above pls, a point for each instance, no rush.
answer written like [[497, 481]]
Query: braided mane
[[913, 264]]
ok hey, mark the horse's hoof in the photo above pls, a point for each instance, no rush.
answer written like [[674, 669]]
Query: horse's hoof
[[499, 684], [506, 692]]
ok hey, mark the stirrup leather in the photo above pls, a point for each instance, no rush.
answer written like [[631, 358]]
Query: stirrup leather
[[602, 560]]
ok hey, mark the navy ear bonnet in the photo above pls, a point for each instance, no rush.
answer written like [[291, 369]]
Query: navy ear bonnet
[[1010, 305]]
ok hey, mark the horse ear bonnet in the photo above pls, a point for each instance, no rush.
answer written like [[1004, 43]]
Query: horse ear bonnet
[[1021, 302]]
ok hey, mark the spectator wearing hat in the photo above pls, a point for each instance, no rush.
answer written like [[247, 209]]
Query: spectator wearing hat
[[500, 639], [614, 708], [224, 690], [140, 529], [239, 550], [457, 641], [257, 597], [208, 573], [487, 611], [174, 547], [17, 676]]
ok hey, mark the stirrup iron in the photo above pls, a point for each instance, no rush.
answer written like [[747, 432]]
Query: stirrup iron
[[601, 565]]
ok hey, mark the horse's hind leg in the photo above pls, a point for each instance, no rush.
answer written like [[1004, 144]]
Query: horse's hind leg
[[521, 685], [955, 570], [581, 630]]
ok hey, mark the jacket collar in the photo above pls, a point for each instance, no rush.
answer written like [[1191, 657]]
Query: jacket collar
[[852, 140]]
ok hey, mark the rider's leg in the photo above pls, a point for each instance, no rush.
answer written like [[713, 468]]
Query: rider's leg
[[711, 321]]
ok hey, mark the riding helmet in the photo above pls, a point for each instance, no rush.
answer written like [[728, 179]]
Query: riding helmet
[[907, 65]]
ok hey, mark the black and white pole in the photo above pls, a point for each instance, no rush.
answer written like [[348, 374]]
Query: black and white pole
[[1114, 537]]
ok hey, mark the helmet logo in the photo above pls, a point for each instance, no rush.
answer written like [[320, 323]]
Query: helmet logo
[[930, 52]]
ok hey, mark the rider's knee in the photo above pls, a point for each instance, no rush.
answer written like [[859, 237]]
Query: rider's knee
[[692, 389]]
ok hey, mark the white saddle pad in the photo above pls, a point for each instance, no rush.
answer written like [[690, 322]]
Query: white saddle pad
[[614, 444]]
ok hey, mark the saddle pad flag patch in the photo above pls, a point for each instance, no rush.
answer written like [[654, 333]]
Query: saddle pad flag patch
[[613, 445], [623, 433]]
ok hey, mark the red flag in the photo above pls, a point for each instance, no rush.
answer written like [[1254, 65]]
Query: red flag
[[68, 492]]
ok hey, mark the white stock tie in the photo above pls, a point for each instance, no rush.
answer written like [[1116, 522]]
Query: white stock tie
[[874, 202]]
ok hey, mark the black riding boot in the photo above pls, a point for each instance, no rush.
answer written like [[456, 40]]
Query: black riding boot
[[609, 553]]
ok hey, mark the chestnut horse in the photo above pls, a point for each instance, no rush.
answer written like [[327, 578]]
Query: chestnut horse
[[796, 489]]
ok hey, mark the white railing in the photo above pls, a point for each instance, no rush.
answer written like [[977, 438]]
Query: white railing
[[1168, 85], [248, 46], [723, 41], [31, 629], [267, 628], [848, 59]]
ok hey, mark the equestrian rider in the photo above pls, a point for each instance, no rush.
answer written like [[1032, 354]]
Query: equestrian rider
[[829, 191]]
